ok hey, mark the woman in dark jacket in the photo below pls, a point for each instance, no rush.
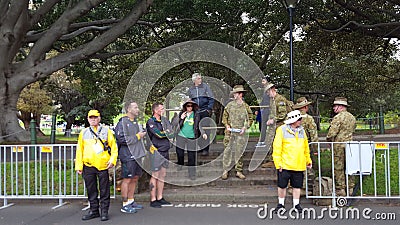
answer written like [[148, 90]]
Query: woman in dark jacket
[[187, 133]]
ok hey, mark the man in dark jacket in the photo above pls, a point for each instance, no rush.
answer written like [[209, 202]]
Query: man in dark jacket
[[160, 132], [131, 149], [201, 94]]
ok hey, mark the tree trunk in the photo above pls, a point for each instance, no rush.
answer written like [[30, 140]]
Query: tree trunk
[[25, 117], [39, 132], [68, 130], [10, 130]]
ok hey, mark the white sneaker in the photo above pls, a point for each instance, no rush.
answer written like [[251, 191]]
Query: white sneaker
[[260, 144]]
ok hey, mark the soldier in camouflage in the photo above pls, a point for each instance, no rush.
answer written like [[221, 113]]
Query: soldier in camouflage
[[310, 128], [237, 118], [341, 129], [280, 107], [308, 121]]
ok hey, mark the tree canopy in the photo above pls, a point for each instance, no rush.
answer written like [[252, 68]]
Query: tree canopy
[[341, 48]]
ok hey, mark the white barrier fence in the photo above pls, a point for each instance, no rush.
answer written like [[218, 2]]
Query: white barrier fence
[[40, 172], [375, 166]]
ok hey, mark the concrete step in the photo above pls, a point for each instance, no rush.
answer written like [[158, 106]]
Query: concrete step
[[207, 170], [215, 181], [220, 195]]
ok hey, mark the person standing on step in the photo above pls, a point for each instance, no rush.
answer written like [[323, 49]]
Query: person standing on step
[[96, 153], [202, 94], [264, 113], [160, 132], [291, 157], [341, 129], [188, 132], [131, 151], [279, 108], [237, 118]]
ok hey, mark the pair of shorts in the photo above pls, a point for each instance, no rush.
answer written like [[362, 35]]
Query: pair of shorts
[[159, 160], [295, 178], [130, 169]]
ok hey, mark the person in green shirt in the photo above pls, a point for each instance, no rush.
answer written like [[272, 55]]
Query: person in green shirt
[[188, 132]]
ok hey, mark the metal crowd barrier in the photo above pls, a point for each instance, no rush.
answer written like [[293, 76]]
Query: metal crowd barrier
[[364, 160], [40, 172]]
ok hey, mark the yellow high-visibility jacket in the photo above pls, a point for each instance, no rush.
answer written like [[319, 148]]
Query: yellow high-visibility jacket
[[89, 152], [290, 149]]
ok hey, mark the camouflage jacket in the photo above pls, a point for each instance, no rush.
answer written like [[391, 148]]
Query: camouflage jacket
[[342, 127], [237, 116], [310, 127], [280, 107]]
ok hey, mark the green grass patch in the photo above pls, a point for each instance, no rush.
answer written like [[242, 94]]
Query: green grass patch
[[382, 182], [48, 178]]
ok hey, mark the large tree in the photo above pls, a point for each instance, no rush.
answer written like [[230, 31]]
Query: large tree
[[29, 31]]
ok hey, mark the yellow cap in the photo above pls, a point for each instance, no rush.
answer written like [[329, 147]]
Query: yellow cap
[[93, 112]]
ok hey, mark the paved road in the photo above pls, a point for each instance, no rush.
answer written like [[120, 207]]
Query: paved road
[[193, 214]]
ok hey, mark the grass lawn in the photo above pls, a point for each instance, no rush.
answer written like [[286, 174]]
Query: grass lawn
[[382, 182]]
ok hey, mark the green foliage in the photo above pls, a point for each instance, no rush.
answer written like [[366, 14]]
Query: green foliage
[[34, 99], [351, 63], [382, 174]]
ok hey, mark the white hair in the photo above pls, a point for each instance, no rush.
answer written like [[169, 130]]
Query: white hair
[[195, 76]]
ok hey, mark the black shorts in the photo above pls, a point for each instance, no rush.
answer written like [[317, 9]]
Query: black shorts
[[159, 160], [130, 169], [295, 178]]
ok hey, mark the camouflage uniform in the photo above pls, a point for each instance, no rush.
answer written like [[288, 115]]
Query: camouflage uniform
[[279, 109], [282, 106], [236, 116], [311, 128], [341, 130]]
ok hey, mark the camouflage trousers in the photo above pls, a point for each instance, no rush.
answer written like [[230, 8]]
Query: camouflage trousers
[[234, 143], [270, 139], [340, 167]]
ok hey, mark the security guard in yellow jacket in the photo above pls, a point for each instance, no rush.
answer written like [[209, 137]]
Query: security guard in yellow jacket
[[96, 152]]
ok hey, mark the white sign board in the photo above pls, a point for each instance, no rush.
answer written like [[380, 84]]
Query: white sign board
[[359, 157]]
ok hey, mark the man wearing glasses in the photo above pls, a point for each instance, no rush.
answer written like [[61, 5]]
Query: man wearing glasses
[[95, 154]]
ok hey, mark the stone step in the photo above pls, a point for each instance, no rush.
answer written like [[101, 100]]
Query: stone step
[[207, 170], [221, 195], [215, 181]]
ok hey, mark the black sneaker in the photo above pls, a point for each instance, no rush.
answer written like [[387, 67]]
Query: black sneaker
[[279, 207], [155, 204], [91, 215], [164, 202], [298, 208]]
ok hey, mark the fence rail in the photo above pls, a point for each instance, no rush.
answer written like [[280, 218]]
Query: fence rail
[[375, 165], [40, 172]]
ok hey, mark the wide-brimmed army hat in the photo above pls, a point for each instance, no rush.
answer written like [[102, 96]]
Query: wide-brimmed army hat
[[269, 86], [340, 101], [238, 88], [301, 102]]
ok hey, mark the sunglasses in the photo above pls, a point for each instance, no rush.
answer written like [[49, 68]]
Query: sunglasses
[[189, 105]]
